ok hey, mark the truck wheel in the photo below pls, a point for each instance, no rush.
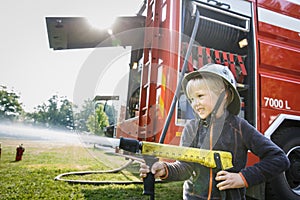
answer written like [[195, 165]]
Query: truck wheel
[[287, 184]]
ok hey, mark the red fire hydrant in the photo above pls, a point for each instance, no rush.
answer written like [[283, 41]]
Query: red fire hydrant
[[20, 150]]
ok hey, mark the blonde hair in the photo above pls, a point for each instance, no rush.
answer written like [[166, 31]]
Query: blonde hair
[[213, 83]]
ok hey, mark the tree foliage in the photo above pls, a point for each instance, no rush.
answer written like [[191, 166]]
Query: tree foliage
[[10, 107], [81, 117], [98, 121], [86, 115], [57, 112]]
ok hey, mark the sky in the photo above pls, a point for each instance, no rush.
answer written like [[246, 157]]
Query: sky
[[34, 71]]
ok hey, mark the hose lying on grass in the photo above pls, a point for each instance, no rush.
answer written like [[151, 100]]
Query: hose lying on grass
[[131, 160]]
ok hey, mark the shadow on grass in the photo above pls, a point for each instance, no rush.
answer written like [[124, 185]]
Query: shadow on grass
[[112, 194], [166, 191]]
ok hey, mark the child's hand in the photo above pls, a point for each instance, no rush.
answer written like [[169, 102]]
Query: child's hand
[[157, 169], [229, 180]]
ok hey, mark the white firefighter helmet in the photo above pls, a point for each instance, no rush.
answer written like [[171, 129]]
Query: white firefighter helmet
[[226, 75]]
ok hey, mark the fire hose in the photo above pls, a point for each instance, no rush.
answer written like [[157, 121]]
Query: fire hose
[[80, 173], [208, 158], [189, 154]]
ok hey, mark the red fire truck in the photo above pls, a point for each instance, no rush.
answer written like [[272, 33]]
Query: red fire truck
[[259, 40]]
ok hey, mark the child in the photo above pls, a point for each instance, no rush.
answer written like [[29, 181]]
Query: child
[[212, 93]]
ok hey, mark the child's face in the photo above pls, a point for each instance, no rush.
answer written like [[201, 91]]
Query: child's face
[[202, 99]]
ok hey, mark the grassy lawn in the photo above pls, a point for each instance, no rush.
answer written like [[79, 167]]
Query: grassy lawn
[[33, 177]]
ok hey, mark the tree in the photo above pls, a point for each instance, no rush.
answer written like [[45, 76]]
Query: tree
[[53, 114], [66, 114], [58, 112], [10, 107], [82, 116], [40, 116], [96, 122]]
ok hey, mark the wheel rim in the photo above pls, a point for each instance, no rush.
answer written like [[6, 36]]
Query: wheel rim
[[292, 175]]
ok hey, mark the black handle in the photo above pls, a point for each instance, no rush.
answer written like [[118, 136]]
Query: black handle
[[135, 146], [220, 167], [149, 184], [218, 161], [149, 181], [130, 145]]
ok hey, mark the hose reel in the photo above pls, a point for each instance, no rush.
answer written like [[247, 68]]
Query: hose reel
[[219, 28]]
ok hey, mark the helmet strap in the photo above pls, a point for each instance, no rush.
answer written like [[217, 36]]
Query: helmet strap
[[218, 104]]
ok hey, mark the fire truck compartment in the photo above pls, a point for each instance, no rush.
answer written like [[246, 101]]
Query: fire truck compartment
[[220, 26]]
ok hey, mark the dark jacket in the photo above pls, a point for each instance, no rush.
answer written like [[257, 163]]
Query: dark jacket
[[237, 136]]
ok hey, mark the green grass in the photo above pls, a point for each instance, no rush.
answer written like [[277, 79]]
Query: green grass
[[33, 176]]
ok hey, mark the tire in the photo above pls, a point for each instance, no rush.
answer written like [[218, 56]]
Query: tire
[[287, 185]]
